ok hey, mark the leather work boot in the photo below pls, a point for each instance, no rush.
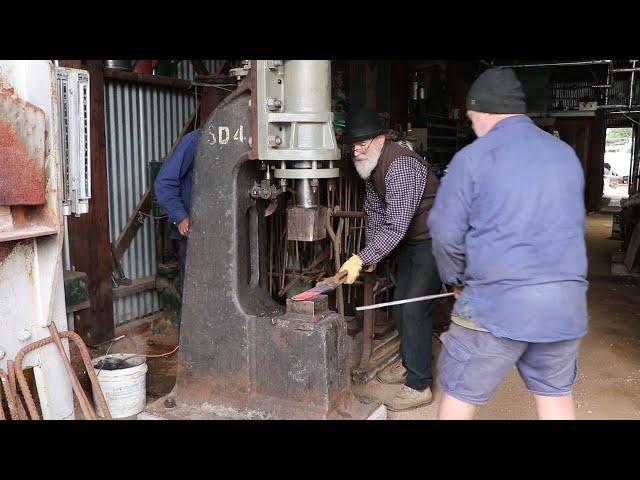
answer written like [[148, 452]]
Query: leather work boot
[[408, 398], [394, 373]]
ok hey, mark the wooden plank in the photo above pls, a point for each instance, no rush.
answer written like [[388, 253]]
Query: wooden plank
[[138, 285], [187, 128], [26, 232], [224, 68], [595, 181], [78, 306], [133, 225], [127, 235], [89, 241], [212, 96], [620, 273], [617, 257], [400, 94], [200, 67], [145, 79], [371, 84], [209, 100], [632, 249]]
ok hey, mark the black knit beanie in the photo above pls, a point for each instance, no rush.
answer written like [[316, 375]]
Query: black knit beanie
[[497, 90]]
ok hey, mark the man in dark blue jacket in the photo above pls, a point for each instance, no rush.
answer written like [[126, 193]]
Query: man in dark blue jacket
[[173, 190], [508, 230]]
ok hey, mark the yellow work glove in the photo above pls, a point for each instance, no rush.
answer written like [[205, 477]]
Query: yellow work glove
[[352, 267]]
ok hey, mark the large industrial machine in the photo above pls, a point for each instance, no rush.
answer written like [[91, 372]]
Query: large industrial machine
[[242, 355]]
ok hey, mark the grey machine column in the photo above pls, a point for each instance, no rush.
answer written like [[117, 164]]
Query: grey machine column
[[242, 355]]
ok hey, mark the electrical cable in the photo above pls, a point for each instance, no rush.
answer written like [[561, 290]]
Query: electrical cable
[[142, 215]]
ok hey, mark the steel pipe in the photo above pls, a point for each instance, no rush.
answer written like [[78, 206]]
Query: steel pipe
[[306, 197], [560, 64], [633, 74], [85, 404], [621, 112]]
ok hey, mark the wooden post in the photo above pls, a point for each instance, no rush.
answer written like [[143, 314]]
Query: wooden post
[[199, 67], [371, 84], [212, 96], [595, 180], [89, 242], [399, 91]]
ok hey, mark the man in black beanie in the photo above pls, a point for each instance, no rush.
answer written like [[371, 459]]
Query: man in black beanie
[[507, 229]]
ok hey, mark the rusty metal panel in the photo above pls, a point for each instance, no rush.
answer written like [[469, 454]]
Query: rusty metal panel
[[22, 141], [141, 124]]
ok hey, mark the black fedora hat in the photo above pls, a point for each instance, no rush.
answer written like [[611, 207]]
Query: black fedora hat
[[362, 124]]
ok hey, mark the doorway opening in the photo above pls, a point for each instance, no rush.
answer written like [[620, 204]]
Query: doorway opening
[[617, 164]]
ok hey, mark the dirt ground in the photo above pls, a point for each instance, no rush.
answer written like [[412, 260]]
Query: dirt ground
[[608, 384]]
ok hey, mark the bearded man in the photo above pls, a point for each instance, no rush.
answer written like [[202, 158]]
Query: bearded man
[[400, 190]]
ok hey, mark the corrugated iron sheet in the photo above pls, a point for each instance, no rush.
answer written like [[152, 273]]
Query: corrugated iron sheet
[[187, 72], [142, 122]]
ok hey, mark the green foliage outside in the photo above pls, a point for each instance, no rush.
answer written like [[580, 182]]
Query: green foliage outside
[[617, 138]]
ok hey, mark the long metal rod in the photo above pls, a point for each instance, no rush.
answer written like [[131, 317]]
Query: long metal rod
[[633, 74], [560, 64], [406, 300], [11, 371], [86, 358], [604, 107], [85, 405], [610, 81], [619, 108], [623, 112], [11, 397]]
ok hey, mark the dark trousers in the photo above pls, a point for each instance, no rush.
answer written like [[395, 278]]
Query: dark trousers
[[416, 276], [182, 259]]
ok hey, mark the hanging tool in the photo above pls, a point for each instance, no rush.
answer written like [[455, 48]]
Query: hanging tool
[[327, 285], [324, 286], [406, 300]]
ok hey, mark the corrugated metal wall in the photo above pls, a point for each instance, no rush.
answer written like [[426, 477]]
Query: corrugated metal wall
[[186, 71], [142, 123]]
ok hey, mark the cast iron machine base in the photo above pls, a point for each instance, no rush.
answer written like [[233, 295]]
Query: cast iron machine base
[[241, 354]]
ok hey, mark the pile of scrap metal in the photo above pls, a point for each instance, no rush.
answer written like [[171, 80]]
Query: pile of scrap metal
[[17, 410]]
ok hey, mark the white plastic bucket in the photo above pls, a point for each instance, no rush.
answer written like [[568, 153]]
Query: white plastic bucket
[[123, 383]]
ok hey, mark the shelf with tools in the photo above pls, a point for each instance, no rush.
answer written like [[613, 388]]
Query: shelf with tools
[[435, 137]]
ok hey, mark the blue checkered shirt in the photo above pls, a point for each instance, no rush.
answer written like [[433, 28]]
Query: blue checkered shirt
[[389, 218]]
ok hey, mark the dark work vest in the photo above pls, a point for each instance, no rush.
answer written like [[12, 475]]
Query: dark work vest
[[418, 229]]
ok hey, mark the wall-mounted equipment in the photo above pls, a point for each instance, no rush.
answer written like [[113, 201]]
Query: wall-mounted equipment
[[75, 151]]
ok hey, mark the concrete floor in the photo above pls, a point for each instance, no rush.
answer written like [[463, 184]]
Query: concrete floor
[[608, 383]]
